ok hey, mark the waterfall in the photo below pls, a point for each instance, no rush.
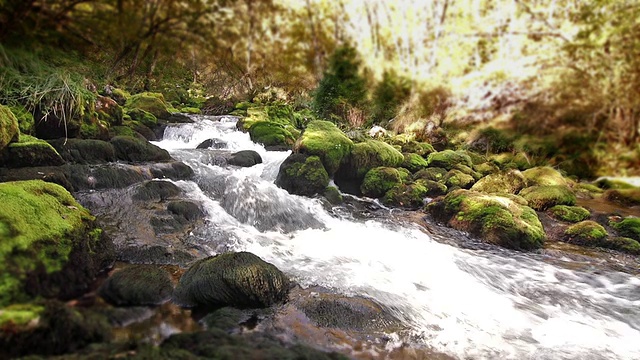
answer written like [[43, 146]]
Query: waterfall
[[469, 303]]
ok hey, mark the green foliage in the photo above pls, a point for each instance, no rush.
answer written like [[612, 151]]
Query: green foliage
[[571, 214], [40, 222], [342, 87], [387, 97]]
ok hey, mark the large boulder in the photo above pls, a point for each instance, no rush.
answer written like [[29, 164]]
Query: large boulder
[[132, 149], [368, 155], [245, 158], [587, 233], [301, 174], [153, 103], [413, 162], [542, 197], [81, 151], [30, 151], [496, 219], [8, 127], [544, 176], [50, 245], [448, 159], [325, 140], [241, 280], [380, 180], [409, 196], [271, 134], [143, 117], [507, 182], [137, 285]]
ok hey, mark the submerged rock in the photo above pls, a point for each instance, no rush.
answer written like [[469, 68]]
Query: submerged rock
[[245, 158], [301, 174], [496, 219], [212, 143], [137, 285], [156, 190], [241, 280]]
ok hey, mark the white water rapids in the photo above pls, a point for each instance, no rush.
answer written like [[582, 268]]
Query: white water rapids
[[471, 304]]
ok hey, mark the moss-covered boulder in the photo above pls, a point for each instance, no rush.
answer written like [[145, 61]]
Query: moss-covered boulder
[[241, 280], [623, 244], [543, 197], [9, 131], [432, 173], [137, 285], [31, 151], [380, 180], [132, 149], [245, 158], [271, 134], [49, 245], [627, 197], [333, 195], [143, 117], [49, 328], [629, 227], [458, 179], [572, 214], [433, 188], [408, 196], [108, 110], [413, 162], [325, 140], [153, 103], [448, 159], [26, 122], [368, 155], [302, 174], [507, 182], [587, 233], [544, 176], [496, 219], [119, 95], [486, 168], [420, 148]]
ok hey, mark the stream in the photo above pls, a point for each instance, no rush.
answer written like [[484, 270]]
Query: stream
[[468, 302]]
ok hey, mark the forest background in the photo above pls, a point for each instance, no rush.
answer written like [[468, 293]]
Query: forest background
[[552, 80]]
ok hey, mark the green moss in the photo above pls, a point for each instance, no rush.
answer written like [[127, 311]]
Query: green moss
[[303, 175], [433, 188], [379, 180], [270, 134], [144, 117], [486, 168], [607, 184], [25, 119], [90, 130], [325, 140], [419, 148], [371, 154], [623, 244], [413, 162], [507, 182], [629, 197], [496, 219], [458, 179], [8, 127], [588, 233], [332, 194], [19, 314], [150, 102], [190, 110], [629, 227], [120, 96], [41, 220], [544, 197], [544, 176], [572, 214], [448, 159], [122, 131], [31, 151], [432, 173], [407, 196]]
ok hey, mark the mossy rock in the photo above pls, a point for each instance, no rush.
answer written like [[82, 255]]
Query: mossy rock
[[476, 158], [57, 329], [9, 130], [629, 227], [26, 122], [189, 210], [90, 129], [627, 197], [137, 285], [241, 280], [270, 134], [607, 184], [486, 168], [496, 219], [333, 195], [108, 110], [420, 148], [458, 179], [153, 103], [405, 175], [433, 188], [46, 238], [301, 174], [81, 151], [380, 180], [143, 117], [587, 233], [190, 110], [448, 159], [409, 196], [544, 176], [132, 149], [120, 96], [572, 214], [245, 158], [432, 173], [18, 315], [544, 196], [469, 171], [29, 152], [123, 131], [506, 182], [623, 244], [413, 162], [368, 155], [156, 190], [325, 140]]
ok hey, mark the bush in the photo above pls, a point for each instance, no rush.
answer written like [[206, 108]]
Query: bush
[[387, 97]]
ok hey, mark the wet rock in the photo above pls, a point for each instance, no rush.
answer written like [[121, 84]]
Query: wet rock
[[240, 280], [137, 285], [543, 197], [302, 174], [433, 188], [9, 131], [623, 244], [30, 151], [353, 313], [156, 190], [212, 143], [627, 197], [155, 254], [187, 209], [179, 118], [333, 195], [629, 227], [227, 318], [245, 158], [81, 151], [380, 180], [131, 149]]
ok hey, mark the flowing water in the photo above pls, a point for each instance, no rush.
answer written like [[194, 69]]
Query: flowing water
[[482, 303]]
